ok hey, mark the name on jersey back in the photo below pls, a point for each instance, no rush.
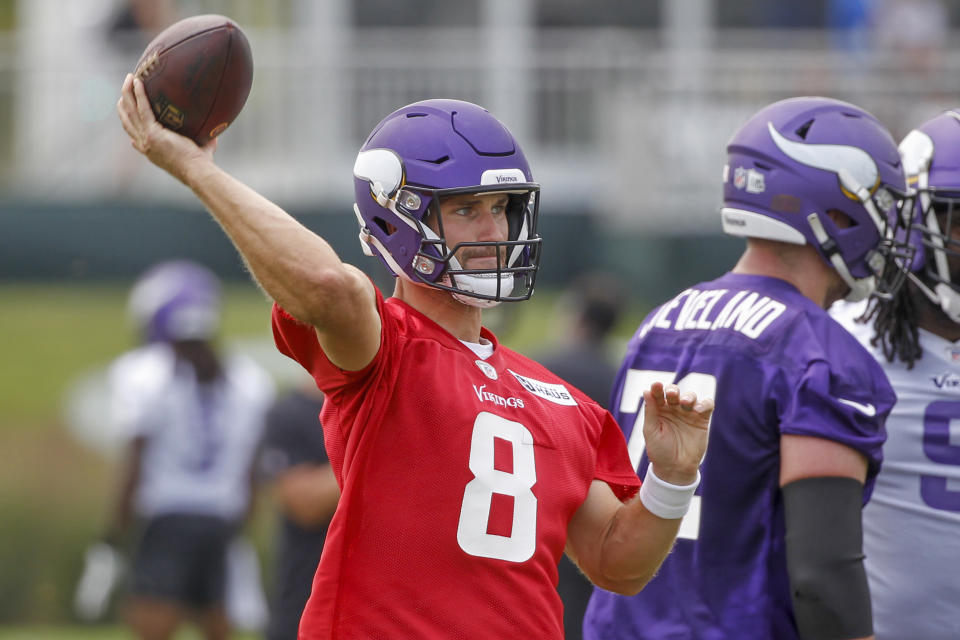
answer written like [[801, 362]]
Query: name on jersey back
[[746, 312]]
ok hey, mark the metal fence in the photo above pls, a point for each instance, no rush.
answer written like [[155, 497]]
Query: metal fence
[[614, 121]]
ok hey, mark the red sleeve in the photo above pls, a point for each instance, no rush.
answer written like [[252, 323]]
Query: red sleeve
[[295, 339], [298, 340], [613, 462]]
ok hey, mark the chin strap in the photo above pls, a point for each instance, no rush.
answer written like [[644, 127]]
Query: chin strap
[[369, 242], [942, 295], [860, 288]]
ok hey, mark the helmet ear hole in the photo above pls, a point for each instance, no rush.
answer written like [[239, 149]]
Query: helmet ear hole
[[385, 226], [842, 220]]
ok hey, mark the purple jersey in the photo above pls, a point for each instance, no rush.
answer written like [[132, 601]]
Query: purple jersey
[[776, 364]]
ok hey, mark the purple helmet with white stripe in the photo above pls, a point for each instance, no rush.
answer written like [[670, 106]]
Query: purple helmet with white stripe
[[176, 300], [422, 153], [798, 159], [931, 159]]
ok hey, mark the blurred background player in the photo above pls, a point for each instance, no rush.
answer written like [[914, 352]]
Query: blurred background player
[[194, 418], [294, 460], [772, 546], [587, 312], [911, 527]]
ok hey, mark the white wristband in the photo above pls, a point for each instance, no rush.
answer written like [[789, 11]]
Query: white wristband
[[665, 500]]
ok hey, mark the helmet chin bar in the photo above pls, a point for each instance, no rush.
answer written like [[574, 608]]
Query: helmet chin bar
[[467, 285], [493, 286]]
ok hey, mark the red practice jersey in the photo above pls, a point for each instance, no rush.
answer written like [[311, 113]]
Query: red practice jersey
[[458, 478]]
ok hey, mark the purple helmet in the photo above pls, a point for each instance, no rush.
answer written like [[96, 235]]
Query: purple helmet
[[796, 160], [422, 153], [931, 159], [177, 300]]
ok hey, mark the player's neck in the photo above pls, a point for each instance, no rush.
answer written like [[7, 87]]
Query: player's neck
[[461, 320], [800, 265]]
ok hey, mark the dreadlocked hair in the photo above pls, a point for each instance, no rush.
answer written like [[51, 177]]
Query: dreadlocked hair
[[895, 326]]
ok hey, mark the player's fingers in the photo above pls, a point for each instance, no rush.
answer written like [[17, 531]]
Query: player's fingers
[[704, 406], [128, 105], [656, 394], [125, 121], [127, 101], [144, 110], [127, 85], [672, 394], [687, 400], [128, 118], [650, 401]]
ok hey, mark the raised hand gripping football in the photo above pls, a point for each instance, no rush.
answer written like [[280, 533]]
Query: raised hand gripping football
[[194, 79], [675, 429], [165, 148]]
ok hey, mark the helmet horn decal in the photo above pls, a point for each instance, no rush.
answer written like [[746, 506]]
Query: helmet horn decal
[[383, 169], [831, 157]]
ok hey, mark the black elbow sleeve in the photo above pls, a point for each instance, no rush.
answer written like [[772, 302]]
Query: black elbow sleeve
[[824, 536]]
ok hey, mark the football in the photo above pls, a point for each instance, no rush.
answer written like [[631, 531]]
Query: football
[[197, 73]]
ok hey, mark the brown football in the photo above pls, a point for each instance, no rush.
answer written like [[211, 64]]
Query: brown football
[[197, 74]]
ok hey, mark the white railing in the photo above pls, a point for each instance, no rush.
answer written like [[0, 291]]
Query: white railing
[[611, 121]]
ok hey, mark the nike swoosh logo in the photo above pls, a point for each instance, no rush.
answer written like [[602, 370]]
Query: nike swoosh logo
[[866, 409]]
